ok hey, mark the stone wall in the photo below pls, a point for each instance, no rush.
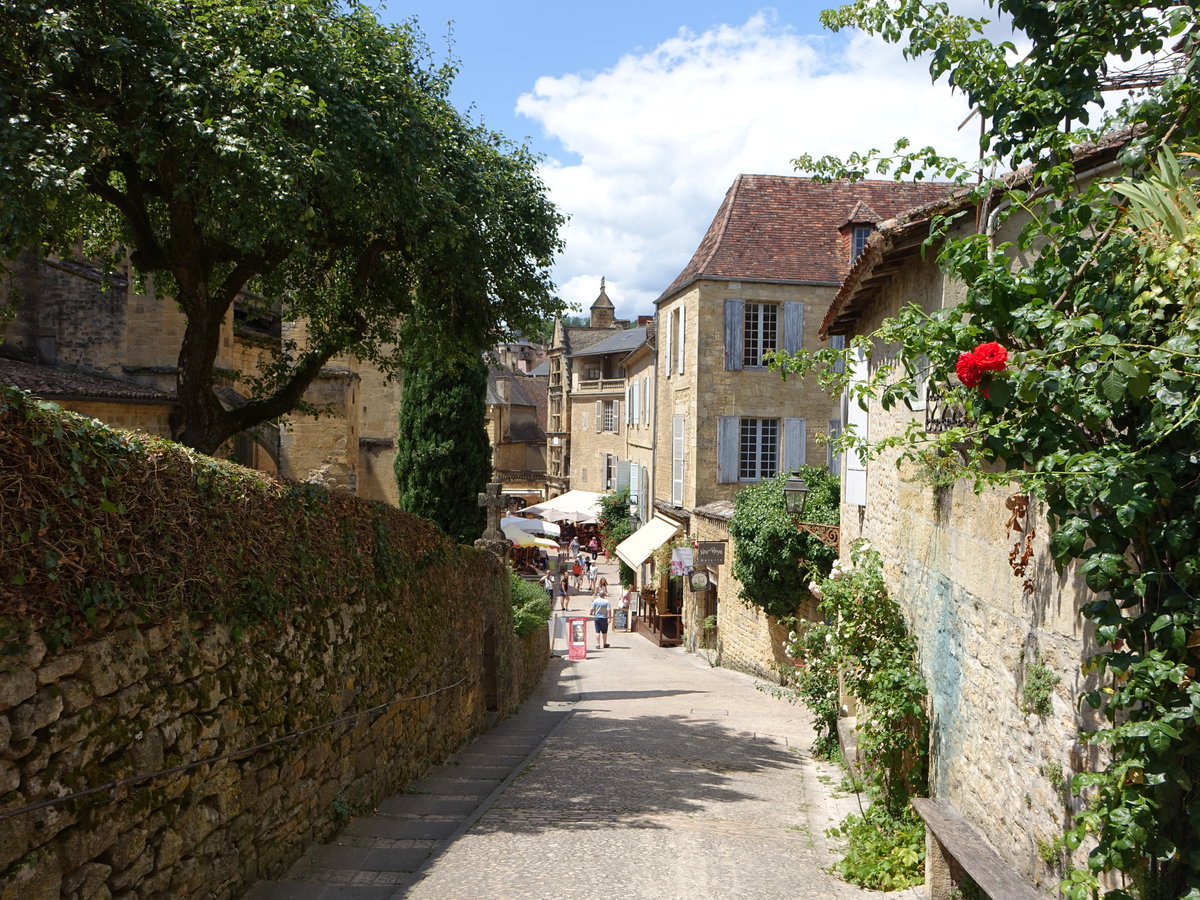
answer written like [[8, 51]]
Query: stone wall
[[141, 700], [946, 559], [393, 648], [747, 638]]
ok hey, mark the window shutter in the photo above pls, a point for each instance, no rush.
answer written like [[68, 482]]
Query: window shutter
[[834, 458], [616, 416], [666, 345], [604, 471], [728, 433], [622, 475], [735, 312], [634, 406], [634, 482], [679, 339], [793, 326], [599, 416], [646, 398], [677, 461], [854, 487], [795, 434]]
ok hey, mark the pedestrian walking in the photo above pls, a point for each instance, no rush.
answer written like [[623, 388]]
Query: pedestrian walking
[[601, 588], [577, 575], [594, 548], [600, 612], [564, 591], [591, 575], [574, 547]]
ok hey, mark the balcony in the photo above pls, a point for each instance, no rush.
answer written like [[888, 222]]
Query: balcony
[[601, 385]]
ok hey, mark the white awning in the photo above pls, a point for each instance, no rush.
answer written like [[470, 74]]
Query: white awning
[[636, 548], [573, 506]]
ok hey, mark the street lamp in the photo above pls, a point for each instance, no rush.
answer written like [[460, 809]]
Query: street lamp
[[795, 498]]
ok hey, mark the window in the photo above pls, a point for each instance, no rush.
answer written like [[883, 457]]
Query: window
[[751, 329], [758, 450], [634, 406], [675, 342], [761, 332], [592, 373], [858, 240], [610, 473], [610, 415], [677, 461]]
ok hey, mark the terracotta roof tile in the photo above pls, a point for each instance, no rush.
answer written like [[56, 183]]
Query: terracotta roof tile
[[785, 229], [58, 384]]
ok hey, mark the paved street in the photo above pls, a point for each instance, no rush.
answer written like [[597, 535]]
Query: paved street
[[638, 772]]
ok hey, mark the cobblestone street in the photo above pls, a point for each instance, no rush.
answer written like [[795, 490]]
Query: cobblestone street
[[638, 772]]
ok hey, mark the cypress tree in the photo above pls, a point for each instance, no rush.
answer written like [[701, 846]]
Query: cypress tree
[[443, 458]]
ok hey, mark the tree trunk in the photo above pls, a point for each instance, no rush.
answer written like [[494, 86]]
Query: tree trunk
[[200, 422]]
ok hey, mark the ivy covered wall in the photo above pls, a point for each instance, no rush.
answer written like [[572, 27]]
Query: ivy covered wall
[[164, 611]]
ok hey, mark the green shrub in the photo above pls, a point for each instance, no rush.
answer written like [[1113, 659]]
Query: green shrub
[[531, 606], [883, 852], [773, 561]]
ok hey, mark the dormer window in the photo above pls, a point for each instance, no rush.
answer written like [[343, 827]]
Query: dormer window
[[858, 240]]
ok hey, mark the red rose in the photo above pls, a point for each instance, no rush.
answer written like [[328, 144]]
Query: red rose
[[991, 357], [968, 369]]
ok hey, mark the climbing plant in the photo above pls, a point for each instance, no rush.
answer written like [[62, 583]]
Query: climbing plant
[[1093, 407], [773, 561], [616, 525], [867, 645]]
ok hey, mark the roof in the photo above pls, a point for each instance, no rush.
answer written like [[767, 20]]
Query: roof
[[535, 388], [903, 236], [58, 384], [542, 368], [579, 337], [779, 228], [620, 342], [517, 395], [887, 249], [602, 301]]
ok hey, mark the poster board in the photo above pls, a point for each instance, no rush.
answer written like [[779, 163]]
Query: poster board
[[620, 620]]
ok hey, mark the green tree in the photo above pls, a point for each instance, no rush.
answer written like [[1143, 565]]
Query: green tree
[[1096, 410], [301, 152], [773, 561], [443, 458]]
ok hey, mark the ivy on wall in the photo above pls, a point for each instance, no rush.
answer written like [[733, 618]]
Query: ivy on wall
[[866, 643], [773, 561]]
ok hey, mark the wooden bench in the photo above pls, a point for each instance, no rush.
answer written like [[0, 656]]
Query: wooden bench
[[953, 847]]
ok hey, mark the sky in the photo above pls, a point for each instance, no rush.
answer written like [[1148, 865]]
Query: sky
[[646, 112]]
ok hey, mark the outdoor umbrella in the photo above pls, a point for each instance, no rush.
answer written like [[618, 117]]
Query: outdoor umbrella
[[533, 526]]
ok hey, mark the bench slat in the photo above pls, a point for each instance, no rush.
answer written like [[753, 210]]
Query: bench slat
[[981, 862]]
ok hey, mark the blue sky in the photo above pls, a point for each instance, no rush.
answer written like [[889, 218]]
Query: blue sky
[[646, 112]]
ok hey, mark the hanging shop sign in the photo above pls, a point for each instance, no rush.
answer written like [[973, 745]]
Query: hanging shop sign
[[711, 553]]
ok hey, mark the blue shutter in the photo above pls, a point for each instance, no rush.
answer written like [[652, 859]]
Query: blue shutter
[[793, 326], [728, 433], [795, 434], [735, 314]]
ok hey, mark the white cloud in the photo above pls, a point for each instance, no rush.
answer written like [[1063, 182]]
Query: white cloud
[[660, 136]]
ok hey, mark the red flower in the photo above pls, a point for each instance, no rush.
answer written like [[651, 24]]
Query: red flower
[[968, 369], [991, 357]]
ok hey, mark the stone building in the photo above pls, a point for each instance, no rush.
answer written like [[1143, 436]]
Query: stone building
[[601, 413], [946, 560], [107, 349], [761, 279], [565, 375], [516, 412]]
